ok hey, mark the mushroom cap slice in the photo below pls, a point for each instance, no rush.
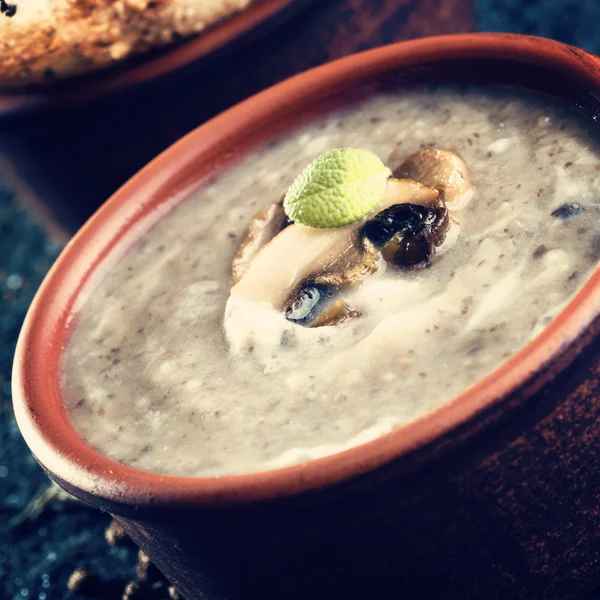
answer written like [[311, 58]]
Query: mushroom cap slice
[[265, 225], [337, 257], [407, 191], [334, 314], [300, 253], [441, 169]]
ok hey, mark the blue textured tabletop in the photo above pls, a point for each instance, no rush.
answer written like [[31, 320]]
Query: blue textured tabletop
[[38, 552]]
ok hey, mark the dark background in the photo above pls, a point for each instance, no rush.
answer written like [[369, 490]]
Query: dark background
[[38, 554]]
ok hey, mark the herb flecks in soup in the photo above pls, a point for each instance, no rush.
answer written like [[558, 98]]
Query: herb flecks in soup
[[325, 338]]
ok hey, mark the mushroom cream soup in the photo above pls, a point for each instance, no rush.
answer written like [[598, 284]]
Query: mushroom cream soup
[[323, 339]]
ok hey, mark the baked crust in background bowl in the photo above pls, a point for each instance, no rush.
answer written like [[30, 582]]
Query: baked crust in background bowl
[[44, 40], [64, 52], [76, 140], [494, 494]]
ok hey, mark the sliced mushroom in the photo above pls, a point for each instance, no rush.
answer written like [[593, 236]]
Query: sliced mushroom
[[352, 269], [401, 191], [440, 169], [337, 312], [299, 254], [408, 249], [303, 305], [271, 220], [313, 305], [396, 218], [303, 270], [265, 225], [407, 233]]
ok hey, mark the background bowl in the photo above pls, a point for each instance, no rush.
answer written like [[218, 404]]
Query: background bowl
[[145, 67], [494, 494], [77, 140]]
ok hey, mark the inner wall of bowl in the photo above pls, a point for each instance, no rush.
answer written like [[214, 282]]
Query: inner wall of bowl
[[451, 72], [502, 72]]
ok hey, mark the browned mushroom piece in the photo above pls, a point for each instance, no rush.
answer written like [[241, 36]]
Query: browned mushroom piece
[[410, 222], [407, 233], [314, 302], [299, 254], [440, 169], [272, 220], [337, 312], [359, 262], [304, 271], [402, 191], [265, 225]]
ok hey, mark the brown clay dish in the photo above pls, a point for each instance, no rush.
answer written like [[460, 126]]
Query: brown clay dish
[[145, 68], [492, 495]]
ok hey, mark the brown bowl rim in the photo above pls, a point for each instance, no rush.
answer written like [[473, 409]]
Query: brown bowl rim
[[121, 77], [38, 408]]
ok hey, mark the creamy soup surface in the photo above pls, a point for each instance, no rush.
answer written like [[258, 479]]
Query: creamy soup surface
[[152, 379]]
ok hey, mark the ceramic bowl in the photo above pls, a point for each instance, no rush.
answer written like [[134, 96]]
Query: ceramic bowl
[[493, 495]]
